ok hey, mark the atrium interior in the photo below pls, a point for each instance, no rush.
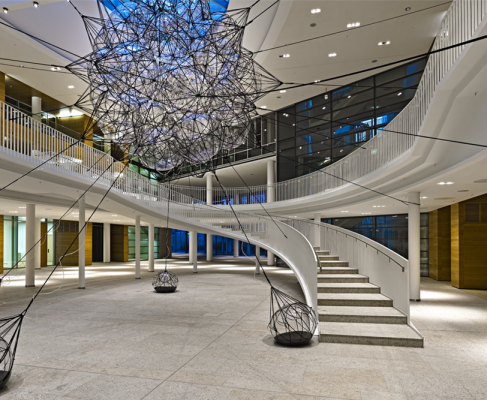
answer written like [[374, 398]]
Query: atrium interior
[[243, 199]]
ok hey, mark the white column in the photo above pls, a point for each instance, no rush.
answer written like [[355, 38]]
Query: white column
[[30, 239], [137, 247], [106, 243], [235, 247], [151, 248], [317, 237], [209, 188], [38, 241], [414, 246], [209, 247], [257, 259], [36, 104], [271, 197], [271, 180], [81, 242], [193, 250]]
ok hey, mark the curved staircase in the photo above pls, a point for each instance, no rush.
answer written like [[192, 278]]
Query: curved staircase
[[352, 310]]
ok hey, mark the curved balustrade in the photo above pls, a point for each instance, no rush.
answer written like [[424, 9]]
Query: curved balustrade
[[459, 24], [31, 140]]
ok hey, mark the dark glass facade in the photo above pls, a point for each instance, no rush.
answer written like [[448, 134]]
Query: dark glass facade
[[320, 131], [389, 230]]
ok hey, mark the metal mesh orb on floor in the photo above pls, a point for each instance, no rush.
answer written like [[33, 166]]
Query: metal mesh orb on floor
[[292, 322], [165, 282]]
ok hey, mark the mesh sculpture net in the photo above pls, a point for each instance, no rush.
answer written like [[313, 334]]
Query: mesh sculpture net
[[9, 337], [171, 80], [292, 322], [165, 282]]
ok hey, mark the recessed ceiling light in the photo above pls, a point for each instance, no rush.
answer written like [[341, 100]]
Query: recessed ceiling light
[[55, 68], [407, 9], [285, 55], [22, 207], [70, 87], [441, 183], [317, 81], [282, 91], [400, 93], [349, 97], [324, 108], [423, 197], [332, 55], [286, 115], [450, 183], [315, 11], [366, 213], [312, 25], [21, 66], [14, 212], [5, 10], [36, 4], [384, 43], [353, 25], [343, 211], [263, 107]]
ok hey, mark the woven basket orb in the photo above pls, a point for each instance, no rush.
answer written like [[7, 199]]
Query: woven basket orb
[[6, 362], [293, 324], [165, 282]]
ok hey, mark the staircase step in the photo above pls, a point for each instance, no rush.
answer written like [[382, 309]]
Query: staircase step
[[329, 287], [334, 263], [328, 258], [354, 299], [322, 252], [370, 334], [342, 278], [337, 270], [370, 315]]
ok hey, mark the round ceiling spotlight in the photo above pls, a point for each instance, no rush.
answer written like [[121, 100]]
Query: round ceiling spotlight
[[5, 10], [312, 25], [407, 9]]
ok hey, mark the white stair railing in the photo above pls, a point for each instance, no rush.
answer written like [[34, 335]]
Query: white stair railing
[[384, 267]]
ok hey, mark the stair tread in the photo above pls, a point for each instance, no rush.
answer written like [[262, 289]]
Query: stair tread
[[339, 268], [352, 285], [360, 311], [393, 331], [334, 261], [352, 296], [340, 276]]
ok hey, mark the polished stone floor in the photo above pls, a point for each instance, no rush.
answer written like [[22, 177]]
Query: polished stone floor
[[118, 339]]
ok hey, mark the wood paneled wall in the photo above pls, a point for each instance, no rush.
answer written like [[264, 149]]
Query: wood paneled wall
[[2, 91], [64, 236], [44, 244], [469, 244], [440, 244], [1, 244], [119, 243], [163, 251]]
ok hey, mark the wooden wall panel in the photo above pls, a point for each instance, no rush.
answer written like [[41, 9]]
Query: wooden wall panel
[[469, 244], [64, 236], [119, 243], [440, 244], [44, 244], [2, 93], [1, 244]]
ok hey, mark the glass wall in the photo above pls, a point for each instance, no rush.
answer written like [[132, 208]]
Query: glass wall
[[388, 230], [13, 241], [320, 131]]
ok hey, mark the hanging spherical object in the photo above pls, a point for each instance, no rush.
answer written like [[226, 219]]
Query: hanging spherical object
[[171, 79], [6, 362], [165, 282], [292, 322]]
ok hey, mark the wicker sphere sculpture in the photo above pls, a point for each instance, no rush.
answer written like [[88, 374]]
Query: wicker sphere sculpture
[[165, 282], [171, 79], [6, 362], [292, 322]]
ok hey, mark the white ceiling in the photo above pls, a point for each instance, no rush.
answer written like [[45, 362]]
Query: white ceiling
[[56, 22]]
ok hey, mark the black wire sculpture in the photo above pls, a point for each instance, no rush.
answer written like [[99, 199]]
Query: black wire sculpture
[[165, 282], [171, 79], [292, 323], [9, 337]]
